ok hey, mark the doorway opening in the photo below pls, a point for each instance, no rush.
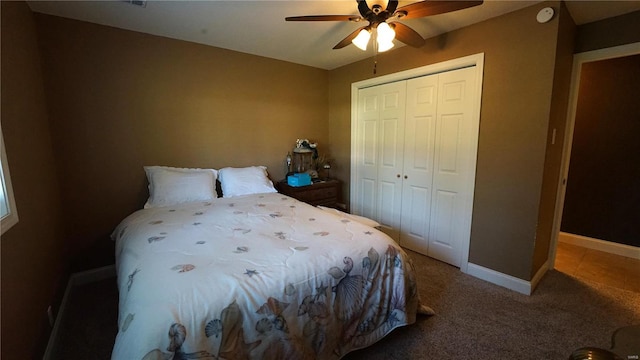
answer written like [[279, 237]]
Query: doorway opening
[[589, 205]]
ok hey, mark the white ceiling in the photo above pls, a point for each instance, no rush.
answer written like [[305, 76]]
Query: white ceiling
[[258, 27]]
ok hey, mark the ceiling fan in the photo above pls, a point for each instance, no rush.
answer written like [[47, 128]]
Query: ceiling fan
[[385, 21]]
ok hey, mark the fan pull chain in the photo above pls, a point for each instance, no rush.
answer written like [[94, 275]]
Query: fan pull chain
[[375, 54]]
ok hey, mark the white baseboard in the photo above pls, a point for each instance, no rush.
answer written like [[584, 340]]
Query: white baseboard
[[601, 245], [538, 276], [507, 281], [76, 279]]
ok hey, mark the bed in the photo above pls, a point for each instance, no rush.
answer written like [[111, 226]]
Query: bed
[[253, 275]]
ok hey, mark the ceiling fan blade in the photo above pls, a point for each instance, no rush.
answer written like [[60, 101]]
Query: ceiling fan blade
[[346, 41], [363, 8], [407, 35], [392, 5], [428, 8], [323, 18]]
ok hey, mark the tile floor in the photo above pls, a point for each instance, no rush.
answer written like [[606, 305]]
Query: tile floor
[[597, 266]]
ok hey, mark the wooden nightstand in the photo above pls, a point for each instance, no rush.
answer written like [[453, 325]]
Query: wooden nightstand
[[323, 193]]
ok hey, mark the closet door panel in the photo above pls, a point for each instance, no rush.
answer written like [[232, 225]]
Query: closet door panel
[[389, 146], [368, 198], [451, 210], [369, 102], [379, 153], [442, 225], [391, 154], [415, 208], [422, 95], [367, 175], [369, 142], [388, 198], [448, 144]]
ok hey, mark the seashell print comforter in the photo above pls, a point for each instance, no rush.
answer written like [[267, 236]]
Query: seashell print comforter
[[256, 277]]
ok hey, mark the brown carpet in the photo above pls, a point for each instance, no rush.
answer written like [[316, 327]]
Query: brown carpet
[[474, 319]]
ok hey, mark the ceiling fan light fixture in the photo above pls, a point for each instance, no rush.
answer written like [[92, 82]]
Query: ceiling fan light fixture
[[385, 36], [384, 45], [385, 32], [362, 39]]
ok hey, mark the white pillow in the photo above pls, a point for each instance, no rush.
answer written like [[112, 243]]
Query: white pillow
[[169, 186], [245, 181]]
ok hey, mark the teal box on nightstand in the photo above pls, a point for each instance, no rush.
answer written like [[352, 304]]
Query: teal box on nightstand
[[299, 179]]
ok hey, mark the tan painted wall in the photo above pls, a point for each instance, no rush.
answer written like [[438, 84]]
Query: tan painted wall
[[615, 31], [557, 120], [518, 82], [33, 251], [120, 100]]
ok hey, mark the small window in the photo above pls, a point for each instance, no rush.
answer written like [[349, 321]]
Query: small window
[[8, 210]]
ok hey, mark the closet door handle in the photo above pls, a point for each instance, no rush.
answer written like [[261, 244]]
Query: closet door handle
[[406, 177], [398, 176]]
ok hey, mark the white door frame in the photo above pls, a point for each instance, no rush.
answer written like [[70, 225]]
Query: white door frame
[[578, 60], [476, 60]]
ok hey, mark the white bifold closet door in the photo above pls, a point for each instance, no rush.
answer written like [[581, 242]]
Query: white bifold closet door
[[381, 113], [415, 167]]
